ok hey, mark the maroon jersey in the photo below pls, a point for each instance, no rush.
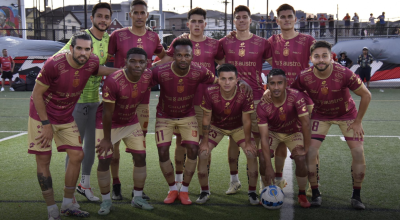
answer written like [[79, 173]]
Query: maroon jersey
[[65, 85], [6, 63], [248, 57], [204, 54], [226, 113], [126, 95], [331, 96], [284, 118], [292, 56], [122, 40], [177, 92]]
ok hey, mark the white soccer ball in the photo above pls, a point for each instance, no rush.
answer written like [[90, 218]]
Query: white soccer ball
[[272, 197]]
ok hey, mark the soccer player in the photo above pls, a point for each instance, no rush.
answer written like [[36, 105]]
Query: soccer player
[[329, 84], [229, 112], [179, 81], [247, 52], [120, 42], [285, 120], [117, 120], [7, 69], [85, 110], [59, 85], [205, 52], [289, 51]]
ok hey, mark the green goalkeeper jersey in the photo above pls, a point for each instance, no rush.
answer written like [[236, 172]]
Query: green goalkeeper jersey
[[100, 48]]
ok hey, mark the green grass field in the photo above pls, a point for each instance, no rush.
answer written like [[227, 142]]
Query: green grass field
[[20, 196]]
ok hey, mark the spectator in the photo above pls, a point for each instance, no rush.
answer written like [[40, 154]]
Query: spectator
[[396, 31], [344, 60], [6, 70], [316, 25], [309, 24], [365, 60], [334, 56], [262, 25], [382, 23], [347, 24], [331, 25], [275, 25], [371, 25], [322, 25], [356, 24], [269, 27], [302, 24]]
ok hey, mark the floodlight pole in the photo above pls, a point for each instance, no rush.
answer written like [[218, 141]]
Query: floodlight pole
[[226, 15], [160, 33], [232, 15], [190, 4], [85, 11]]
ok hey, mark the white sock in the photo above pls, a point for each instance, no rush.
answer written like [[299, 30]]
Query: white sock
[[85, 181], [50, 207], [184, 189], [105, 197], [173, 188], [179, 177], [137, 193], [252, 191], [67, 201], [235, 178]]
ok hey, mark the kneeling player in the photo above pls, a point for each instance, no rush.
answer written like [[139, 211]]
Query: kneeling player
[[117, 120], [229, 112], [285, 120]]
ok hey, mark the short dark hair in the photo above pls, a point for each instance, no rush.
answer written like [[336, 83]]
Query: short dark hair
[[101, 5], [197, 11], [4, 49], [227, 67], [138, 2], [240, 8], [83, 36], [285, 7], [183, 42], [136, 50], [277, 72], [319, 44]]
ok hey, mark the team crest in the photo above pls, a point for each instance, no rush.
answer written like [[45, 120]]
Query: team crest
[[242, 51], [324, 89], [197, 52], [75, 83], [101, 53], [286, 52], [180, 87], [282, 114], [194, 133], [227, 110]]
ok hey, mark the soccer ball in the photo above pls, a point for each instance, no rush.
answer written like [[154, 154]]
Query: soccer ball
[[272, 197]]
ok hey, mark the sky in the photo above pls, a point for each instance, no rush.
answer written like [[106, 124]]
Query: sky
[[363, 8]]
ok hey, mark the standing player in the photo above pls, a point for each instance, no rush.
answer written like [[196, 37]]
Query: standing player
[[247, 52], [117, 120], [7, 69], [179, 81], [120, 42], [328, 85], [229, 112], [289, 51], [285, 119], [204, 54], [85, 111], [59, 85]]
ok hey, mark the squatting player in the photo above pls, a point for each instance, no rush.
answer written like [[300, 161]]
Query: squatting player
[[120, 42], [205, 52], [229, 112], [59, 85], [286, 120], [328, 86], [247, 53], [117, 120]]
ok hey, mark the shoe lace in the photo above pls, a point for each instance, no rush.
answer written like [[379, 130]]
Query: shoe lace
[[253, 195]]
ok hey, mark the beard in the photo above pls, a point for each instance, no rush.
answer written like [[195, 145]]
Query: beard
[[323, 69], [76, 59], [98, 28]]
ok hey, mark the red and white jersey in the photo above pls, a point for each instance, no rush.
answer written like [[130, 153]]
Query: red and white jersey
[[6, 63]]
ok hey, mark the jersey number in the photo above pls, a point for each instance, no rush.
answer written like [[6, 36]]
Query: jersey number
[[158, 135], [315, 126]]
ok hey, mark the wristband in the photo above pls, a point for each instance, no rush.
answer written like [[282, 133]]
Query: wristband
[[45, 122]]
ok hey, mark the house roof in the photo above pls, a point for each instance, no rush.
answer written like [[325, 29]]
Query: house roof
[[57, 15], [119, 23]]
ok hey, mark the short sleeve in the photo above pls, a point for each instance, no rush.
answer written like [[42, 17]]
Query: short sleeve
[[262, 117], [48, 73], [269, 45], [159, 47], [208, 76], [206, 103], [266, 49], [171, 50], [219, 54], [154, 80], [112, 45], [221, 46], [354, 82], [297, 84], [110, 90], [301, 105], [248, 105]]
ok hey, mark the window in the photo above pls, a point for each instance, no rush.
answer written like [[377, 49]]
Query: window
[[152, 23], [30, 26], [115, 22], [69, 21], [73, 29], [173, 26], [127, 16]]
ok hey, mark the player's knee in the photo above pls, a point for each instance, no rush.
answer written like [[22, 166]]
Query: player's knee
[[300, 161], [192, 151], [163, 154], [75, 156], [43, 160], [104, 164], [203, 156], [139, 159], [358, 154]]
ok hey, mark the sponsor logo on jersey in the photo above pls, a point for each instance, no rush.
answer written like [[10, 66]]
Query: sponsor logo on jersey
[[242, 51]]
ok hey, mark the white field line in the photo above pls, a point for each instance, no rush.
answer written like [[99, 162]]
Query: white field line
[[287, 210], [13, 131], [13, 136]]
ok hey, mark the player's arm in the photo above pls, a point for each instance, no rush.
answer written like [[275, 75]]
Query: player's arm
[[162, 54], [206, 129], [163, 60], [47, 132], [245, 87], [105, 71], [106, 144], [362, 109], [220, 62], [250, 147], [306, 130], [269, 171]]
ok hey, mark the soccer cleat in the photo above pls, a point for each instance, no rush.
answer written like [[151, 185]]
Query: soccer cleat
[[309, 190], [116, 192], [54, 214], [203, 198], [357, 204], [144, 196], [87, 192], [253, 198], [105, 207], [302, 199], [172, 196], [184, 197], [316, 201], [75, 203], [71, 210], [12, 89], [178, 185], [2, 89], [141, 203], [281, 183], [234, 187]]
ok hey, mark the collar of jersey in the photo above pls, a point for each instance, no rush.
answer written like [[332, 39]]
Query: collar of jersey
[[177, 73]]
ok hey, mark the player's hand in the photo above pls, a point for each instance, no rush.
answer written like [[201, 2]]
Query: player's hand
[[250, 148], [358, 130], [204, 147], [46, 136], [270, 175], [104, 146], [184, 35], [266, 98], [231, 34], [149, 28], [244, 87]]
